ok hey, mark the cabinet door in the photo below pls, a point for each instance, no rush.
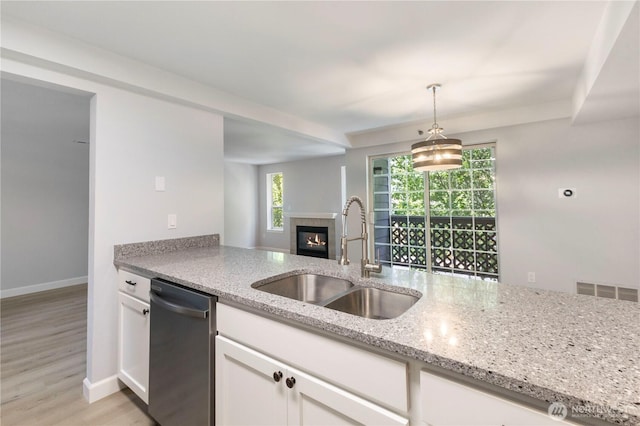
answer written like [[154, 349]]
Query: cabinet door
[[320, 356], [447, 403], [133, 344], [246, 392], [315, 402]]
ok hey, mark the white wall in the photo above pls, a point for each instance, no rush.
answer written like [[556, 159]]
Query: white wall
[[45, 188], [133, 139], [310, 186], [136, 139], [240, 204], [144, 123], [594, 237]]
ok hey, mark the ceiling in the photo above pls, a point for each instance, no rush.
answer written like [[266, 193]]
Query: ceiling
[[350, 66]]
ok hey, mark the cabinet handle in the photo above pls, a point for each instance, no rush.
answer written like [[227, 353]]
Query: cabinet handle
[[277, 375], [131, 282], [290, 382], [145, 311]]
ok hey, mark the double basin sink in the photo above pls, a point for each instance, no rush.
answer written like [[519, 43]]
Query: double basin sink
[[341, 295]]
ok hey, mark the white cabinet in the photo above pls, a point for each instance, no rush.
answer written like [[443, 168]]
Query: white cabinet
[[134, 285], [133, 333], [315, 402], [339, 383], [246, 392], [447, 403], [372, 376], [252, 388]]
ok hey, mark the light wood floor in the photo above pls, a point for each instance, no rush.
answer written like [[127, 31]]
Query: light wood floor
[[43, 362]]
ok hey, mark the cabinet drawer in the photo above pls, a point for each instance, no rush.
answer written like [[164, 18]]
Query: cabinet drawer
[[447, 403], [134, 285], [373, 376]]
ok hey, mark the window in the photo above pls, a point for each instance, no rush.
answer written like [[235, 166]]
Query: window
[[399, 212], [274, 202], [456, 234]]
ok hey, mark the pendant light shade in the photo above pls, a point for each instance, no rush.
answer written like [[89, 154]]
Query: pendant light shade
[[439, 153]]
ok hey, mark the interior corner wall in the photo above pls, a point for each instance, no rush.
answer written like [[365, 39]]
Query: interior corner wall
[[135, 138], [309, 186], [593, 237], [45, 188], [240, 204]]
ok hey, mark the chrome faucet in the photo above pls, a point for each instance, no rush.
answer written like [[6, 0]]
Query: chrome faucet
[[365, 267]]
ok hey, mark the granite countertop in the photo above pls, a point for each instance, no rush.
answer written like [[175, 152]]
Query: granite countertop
[[582, 351]]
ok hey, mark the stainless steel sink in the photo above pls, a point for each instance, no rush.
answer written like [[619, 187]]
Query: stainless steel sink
[[310, 288], [373, 303], [340, 295]]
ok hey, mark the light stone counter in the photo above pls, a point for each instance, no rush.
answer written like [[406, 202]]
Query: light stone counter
[[580, 350]]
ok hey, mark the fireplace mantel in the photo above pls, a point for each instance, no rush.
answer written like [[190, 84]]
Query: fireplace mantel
[[313, 219], [311, 215]]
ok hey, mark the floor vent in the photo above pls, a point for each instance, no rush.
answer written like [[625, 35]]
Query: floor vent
[[608, 291]]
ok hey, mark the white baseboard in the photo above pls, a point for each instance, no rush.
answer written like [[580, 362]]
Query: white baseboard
[[19, 291], [92, 392]]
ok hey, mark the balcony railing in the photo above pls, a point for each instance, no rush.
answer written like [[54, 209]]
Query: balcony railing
[[464, 245]]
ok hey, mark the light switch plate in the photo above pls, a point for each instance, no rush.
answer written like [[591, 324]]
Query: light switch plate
[[160, 183], [172, 221]]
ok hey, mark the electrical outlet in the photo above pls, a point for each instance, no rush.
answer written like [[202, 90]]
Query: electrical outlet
[[160, 183], [531, 277]]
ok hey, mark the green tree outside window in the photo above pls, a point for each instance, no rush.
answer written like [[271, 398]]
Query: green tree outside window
[[275, 197], [461, 233]]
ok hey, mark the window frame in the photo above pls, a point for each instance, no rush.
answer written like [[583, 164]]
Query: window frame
[[427, 202], [372, 208], [270, 205]]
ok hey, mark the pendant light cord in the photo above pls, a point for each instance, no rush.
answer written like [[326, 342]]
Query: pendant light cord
[[435, 131], [435, 122]]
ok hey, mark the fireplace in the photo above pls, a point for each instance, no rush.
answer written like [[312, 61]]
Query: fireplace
[[312, 241], [323, 224]]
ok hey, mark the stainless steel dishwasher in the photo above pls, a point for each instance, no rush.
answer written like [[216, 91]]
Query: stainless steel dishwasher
[[181, 355]]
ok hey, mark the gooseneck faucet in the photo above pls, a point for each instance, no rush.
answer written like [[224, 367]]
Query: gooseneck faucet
[[365, 267]]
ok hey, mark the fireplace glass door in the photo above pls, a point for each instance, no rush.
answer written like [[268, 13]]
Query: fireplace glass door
[[313, 241]]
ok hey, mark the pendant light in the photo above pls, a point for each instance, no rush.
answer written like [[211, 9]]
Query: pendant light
[[436, 152]]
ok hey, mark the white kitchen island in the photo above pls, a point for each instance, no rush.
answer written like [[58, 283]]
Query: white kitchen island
[[488, 344]]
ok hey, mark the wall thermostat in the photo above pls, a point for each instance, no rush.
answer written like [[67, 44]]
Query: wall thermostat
[[566, 193]]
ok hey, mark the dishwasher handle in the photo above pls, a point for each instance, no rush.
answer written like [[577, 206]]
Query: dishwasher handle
[[178, 309]]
